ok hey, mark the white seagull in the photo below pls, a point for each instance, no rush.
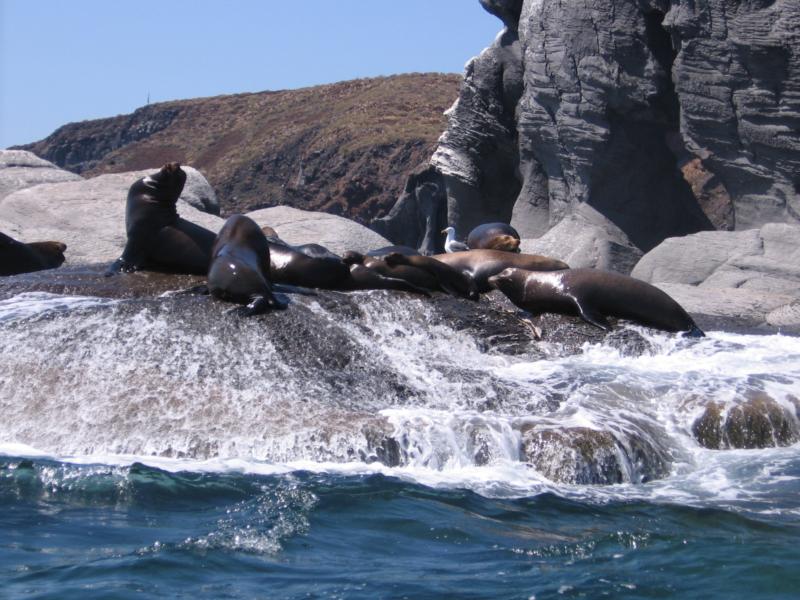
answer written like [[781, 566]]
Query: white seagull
[[451, 244]]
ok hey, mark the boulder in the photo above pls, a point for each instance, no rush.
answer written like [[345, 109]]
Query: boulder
[[756, 421], [751, 277], [588, 456], [586, 239], [692, 259], [197, 192], [20, 169], [306, 227], [88, 215]]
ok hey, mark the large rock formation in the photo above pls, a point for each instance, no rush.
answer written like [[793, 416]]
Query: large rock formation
[[89, 216], [344, 148], [749, 277], [20, 169], [666, 118]]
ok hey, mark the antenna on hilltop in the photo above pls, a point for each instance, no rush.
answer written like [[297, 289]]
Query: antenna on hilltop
[[148, 98]]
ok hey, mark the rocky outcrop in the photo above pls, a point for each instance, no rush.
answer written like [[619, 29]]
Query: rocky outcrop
[[666, 118], [20, 169], [586, 239], [588, 456], [88, 215], [336, 233], [748, 277], [756, 421], [344, 148]]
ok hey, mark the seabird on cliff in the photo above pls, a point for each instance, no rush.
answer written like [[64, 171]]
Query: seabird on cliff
[[451, 244]]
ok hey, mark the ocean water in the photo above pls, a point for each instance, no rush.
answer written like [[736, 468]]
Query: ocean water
[[147, 450]]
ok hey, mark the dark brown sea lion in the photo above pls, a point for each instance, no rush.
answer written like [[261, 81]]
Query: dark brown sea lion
[[314, 266], [240, 266], [451, 280], [18, 257], [594, 295], [494, 236], [158, 239], [362, 278], [418, 277], [482, 264], [310, 266]]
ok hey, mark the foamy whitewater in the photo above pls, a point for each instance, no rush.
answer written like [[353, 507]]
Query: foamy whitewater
[[100, 395]]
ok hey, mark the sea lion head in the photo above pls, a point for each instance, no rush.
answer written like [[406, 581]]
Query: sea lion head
[[51, 253], [503, 279], [351, 257], [506, 243], [169, 181]]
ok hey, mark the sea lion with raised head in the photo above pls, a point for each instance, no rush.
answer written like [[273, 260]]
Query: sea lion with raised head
[[593, 295], [482, 264], [18, 257], [451, 280], [240, 266], [494, 236], [159, 239]]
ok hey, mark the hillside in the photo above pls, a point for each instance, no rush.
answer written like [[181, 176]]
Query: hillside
[[344, 148]]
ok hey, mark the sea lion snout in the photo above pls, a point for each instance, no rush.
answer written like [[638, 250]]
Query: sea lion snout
[[495, 280]]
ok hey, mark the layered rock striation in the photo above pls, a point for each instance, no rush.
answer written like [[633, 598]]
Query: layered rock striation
[[665, 118]]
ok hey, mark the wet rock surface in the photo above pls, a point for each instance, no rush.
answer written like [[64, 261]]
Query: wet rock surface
[[588, 456], [335, 377], [757, 421]]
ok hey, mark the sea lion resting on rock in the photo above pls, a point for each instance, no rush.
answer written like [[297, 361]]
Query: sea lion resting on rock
[[314, 266], [482, 264], [494, 236], [418, 277], [18, 257], [447, 278], [240, 266], [158, 239], [594, 295]]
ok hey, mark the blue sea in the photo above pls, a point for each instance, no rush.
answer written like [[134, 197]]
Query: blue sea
[[149, 451]]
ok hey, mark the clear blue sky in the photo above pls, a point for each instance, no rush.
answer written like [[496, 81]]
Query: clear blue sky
[[71, 60]]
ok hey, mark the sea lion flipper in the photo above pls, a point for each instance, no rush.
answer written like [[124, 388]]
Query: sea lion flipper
[[694, 332], [120, 266], [593, 317]]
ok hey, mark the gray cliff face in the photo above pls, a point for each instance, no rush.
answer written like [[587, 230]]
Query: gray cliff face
[[666, 118]]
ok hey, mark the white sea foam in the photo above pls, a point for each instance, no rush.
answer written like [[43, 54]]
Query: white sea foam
[[148, 387]]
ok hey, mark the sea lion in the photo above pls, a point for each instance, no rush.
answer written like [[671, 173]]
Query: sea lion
[[18, 257], [240, 266], [494, 236], [306, 266], [314, 266], [482, 264], [362, 278], [158, 239], [593, 295], [414, 275], [506, 243], [449, 279]]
